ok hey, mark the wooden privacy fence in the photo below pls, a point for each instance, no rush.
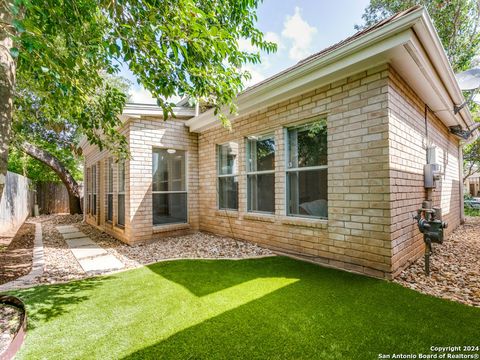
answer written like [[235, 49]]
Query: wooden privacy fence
[[52, 198]]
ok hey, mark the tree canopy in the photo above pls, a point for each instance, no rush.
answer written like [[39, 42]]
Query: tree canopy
[[55, 55]]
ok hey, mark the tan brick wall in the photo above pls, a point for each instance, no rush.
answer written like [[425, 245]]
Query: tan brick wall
[[409, 137], [146, 134], [376, 153], [357, 233]]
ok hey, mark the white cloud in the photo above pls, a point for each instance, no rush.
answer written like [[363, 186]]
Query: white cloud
[[273, 37], [300, 33], [255, 74], [139, 95]]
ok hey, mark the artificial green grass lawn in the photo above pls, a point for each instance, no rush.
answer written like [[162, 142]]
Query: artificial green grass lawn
[[271, 308]]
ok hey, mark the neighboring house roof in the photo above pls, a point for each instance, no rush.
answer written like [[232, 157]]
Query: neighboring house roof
[[407, 40]]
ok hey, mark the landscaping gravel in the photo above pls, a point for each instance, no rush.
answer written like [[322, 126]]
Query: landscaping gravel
[[61, 265], [454, 267]]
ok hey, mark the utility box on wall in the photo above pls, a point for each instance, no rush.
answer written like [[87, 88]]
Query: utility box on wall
[[432, 170]]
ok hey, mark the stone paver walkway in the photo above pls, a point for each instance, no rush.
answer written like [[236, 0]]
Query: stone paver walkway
[[38, 263], [91, 257]]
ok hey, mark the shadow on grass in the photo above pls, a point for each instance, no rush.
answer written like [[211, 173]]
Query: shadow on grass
[[46, 302], [326, 314]]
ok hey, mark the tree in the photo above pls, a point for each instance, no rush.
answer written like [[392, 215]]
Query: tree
[[178, 47], [458, 26], [457, 23]]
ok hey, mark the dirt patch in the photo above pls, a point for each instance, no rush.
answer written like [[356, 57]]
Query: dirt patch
[[454, 267], [16, 258], [10, 321]]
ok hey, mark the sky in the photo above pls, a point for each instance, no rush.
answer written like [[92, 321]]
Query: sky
[[299, 27]]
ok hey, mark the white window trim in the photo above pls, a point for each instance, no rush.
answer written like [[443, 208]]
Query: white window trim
[[174, 192], [234, 175], [250, 173], [298, 169]]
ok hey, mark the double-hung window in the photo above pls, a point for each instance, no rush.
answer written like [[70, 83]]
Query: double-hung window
[[94, 190], [121, 193], [307, 170], [110, 190], [89, 190], [169, 187], [227, 165], [261, 174]]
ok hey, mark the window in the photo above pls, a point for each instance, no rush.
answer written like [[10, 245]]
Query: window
[[110, 190], [121, 193], [227, 165], [261, 174], [89, 190], [307, 170], [94, 190], [169, 190]]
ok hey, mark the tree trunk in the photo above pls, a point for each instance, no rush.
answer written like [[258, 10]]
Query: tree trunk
[[64, 175], [7, 84]]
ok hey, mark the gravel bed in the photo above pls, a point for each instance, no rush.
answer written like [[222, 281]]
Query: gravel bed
[[9, 324], [61, 265], [454, 267], [198, 246]]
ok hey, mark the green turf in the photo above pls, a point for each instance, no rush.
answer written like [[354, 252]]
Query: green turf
[[271, 308]]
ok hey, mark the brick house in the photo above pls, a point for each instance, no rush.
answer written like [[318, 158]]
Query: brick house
[[324, 160]]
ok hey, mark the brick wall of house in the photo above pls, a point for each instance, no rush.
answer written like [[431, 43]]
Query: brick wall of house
[[146, 134], [93, 156], [409, 137], [357, 233]]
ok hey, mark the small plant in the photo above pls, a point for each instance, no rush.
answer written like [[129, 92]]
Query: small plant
[[472, 212]]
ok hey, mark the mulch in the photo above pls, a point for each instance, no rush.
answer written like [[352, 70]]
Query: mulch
[[16, 258]]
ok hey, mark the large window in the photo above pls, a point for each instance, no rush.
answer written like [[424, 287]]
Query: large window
[[227, 157], [307, 170], [89, 190], [261, 174], [121, 193], [169, 190], [94, 190], [110, 190]]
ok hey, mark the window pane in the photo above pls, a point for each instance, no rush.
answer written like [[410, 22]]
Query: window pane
[[228, 192], [308, 146], [168, 170], [109, 207], [110, 175], [308, 193], [121, 176], [261, 192], [94, 205], [169, 208], [227, 158], [121, 210], [261, 153]]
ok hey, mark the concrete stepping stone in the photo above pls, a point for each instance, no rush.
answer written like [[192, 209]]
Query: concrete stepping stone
[[91, 257], [88, 251], [65, 229], [79, 242], [100, 263], [74, 235]]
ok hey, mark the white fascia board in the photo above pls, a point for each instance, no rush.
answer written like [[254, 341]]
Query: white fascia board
[[153, 110], [290, 76], [322, 74], [430, 40]]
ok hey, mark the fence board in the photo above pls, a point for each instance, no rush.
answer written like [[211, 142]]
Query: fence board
[[52, 198]]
